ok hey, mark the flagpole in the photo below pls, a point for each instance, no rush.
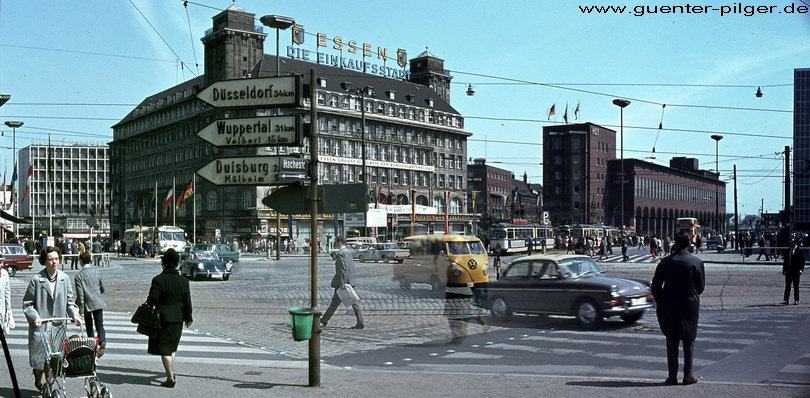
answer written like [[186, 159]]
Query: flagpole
[[174, 214], [194, 207], [154, 196]]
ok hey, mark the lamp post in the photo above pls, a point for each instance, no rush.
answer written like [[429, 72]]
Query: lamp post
[[621, 103], [362, 92], [14, 125], [278, 23], [717, 139]]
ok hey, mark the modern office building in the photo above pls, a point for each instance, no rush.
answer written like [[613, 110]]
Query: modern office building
[[64, 189], [415, 142], [575, 159], [801, 150]]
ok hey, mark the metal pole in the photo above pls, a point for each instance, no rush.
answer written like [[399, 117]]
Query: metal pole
[[315, 341], [278, 60], [363, 149], [621, 134]]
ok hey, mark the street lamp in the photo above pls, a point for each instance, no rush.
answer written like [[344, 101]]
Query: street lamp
[[621, 103], [362, 92], [278, 23], [717, 139]]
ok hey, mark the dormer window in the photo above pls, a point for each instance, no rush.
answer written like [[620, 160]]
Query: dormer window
[[391, 94], [429, 102], [411, 98]]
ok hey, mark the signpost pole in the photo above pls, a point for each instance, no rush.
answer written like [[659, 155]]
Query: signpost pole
[[315, 341]]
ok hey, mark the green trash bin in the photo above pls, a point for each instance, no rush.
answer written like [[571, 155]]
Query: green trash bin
[[301, 322]]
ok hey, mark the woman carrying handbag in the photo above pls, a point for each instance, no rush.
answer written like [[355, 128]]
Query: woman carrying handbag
[[171, 295]]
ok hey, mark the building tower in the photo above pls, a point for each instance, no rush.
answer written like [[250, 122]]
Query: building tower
[[428, 70], [233, 46]]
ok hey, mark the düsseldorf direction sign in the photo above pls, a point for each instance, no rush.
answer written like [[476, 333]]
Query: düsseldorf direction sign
[[263, 91], [254, 131], [254, 170]]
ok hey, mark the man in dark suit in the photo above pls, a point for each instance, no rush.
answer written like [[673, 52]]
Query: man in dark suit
[[676, 286], [792, 269], [344, 275]]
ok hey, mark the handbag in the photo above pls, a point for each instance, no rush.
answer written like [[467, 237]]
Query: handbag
[[348, 297], [147, 331], [146, 315]]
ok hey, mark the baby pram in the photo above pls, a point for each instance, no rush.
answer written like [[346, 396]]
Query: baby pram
[[69, 355]]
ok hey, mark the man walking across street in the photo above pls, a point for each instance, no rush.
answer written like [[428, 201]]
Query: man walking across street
[[344, 275], [792, 269], [676, 286]]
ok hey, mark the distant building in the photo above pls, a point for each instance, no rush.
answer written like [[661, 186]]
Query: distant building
[[63, 187], [575, 159], [801, 149]]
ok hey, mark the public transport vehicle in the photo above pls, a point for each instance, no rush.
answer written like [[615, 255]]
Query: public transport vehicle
[[167, 237], [513, 238], [443, 260], [579, 231], [688, 224]]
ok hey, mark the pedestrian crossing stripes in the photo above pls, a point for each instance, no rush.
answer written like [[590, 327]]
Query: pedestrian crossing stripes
[[125, 344]]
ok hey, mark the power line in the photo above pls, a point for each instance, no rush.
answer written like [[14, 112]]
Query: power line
[[87, 53]]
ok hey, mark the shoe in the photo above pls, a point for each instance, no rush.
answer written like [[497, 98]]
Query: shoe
[[689, 380], [796, 302], [359, 326], [784, 303], [170, 383], [671, 381]]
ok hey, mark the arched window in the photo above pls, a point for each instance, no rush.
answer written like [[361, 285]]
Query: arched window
[[211, 200], [438, 203], [455, 205], [246, 199]]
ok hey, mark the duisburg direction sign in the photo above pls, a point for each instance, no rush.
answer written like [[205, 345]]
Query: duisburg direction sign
[[252, 170]]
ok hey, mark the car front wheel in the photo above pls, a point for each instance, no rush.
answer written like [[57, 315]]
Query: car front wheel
[[587, 313], [361, 259], [500, 309], [385, 259], [12, 270]]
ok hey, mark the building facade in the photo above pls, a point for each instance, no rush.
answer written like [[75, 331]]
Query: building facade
[[575, 159], [415, 144], [65, 189], [655, 195], [801, 149]]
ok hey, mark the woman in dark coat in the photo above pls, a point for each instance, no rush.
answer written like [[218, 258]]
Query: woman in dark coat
[[171, 295], [676, 286]]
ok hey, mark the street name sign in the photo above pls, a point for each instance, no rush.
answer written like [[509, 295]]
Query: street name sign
[[262, 91], [252, 170], [254, 131]]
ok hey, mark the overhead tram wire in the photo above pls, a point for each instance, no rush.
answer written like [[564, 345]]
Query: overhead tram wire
[[191, 36], [161, 36], [86, 53], [527, 82]]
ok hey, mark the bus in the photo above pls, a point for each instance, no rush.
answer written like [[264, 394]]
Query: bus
[[513, 238], [166, 236], [688, 224], [579, 231], [443, 261]]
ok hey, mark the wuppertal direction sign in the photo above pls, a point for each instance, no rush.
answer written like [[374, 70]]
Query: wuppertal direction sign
[[254, 131], [254, 170], [263, 91]]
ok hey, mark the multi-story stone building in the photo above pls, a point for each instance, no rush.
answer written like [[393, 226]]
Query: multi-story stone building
[[63, 188], [414, 139]]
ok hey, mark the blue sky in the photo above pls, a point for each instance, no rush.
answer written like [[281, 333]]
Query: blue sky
[[520, 56]]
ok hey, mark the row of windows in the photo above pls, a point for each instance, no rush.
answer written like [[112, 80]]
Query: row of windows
[[389, 133], [338, 173], [648, 188], [390, 109]]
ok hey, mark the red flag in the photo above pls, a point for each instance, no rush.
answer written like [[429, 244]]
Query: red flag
[[551, 111], [30, 173], [169, 199]]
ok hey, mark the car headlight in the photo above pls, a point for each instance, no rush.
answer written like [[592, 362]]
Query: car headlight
[[200, 266], [456, 272]]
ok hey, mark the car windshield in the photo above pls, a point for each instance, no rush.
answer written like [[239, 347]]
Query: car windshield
[[205, 256], [579, 267]]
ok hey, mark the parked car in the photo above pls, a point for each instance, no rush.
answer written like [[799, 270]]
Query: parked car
[[715, 242], [385, 252], [205, 264], [565, 284], [16, 258], [224, 251]]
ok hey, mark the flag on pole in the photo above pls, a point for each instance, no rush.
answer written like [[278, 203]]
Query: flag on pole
[[14, 182], [187, 191], [30, 174], [169, 198], [90, 211], [551, 111], [4, 186], [153, 201], [565, 114], [576, 112]]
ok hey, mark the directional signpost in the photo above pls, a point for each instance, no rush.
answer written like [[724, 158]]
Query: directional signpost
[[264, 91], [253, 170], [254, 131]]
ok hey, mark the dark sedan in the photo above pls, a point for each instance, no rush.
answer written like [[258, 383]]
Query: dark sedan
[[204, 264], [222, 250], [563, 284]]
